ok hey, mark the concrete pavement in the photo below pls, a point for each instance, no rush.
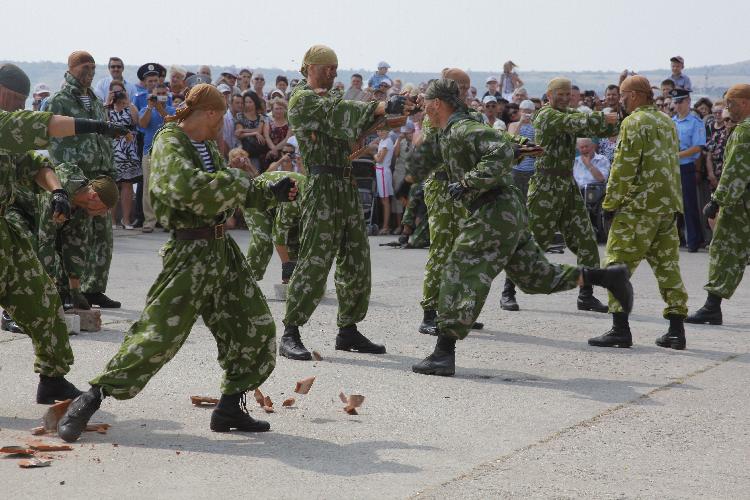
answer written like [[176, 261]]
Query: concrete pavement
[[532, 412]]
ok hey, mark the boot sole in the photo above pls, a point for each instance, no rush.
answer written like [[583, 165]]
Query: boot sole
[[513, 307], [287, 355], [229, 428], [439, 373], [361, 351], [593, 309], [672, 345], [622, 345], [427, 330], [705, 322]]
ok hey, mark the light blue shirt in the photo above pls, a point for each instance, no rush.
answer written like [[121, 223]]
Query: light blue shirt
[[583, 176], [374, 81], [101, 89], [692, 132], [682, 81], [153, 126]]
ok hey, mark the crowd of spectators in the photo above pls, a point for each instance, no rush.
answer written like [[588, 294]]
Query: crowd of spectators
[[256, 130]]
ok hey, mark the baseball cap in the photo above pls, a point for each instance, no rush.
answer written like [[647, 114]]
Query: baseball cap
[[489, 98], [383, 64], [678, 59], [679, 94], [491, 79], [42, 88], [386, 81], [194, 80], [527, 104], [224, 88]]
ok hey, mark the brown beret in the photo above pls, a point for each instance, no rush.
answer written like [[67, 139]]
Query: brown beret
[[738, 91], [79, 57], [636, 83]]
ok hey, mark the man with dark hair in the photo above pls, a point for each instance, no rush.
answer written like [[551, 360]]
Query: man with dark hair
[[116, 68], [667, 86], [355, 91], [478, 161], [93, 155], [282, 84]]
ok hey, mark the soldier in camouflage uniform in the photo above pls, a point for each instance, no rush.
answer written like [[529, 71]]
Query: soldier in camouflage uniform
[[644, 194], [494, 237], [416, 232], [333, 226], [63, 249], [93, 155], [205, 273], [277, 224], [730, 246], [554, 200]]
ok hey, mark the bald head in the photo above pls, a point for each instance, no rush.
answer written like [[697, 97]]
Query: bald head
[[461, 78]]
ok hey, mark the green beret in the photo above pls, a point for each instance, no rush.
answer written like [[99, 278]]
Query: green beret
[[446, 90], [13, 78], [107, 190]]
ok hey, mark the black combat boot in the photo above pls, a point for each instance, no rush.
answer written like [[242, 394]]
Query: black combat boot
[[618, 336], [428, 322], [291, 345], [350, 339], [8, 324], [675, 336], [51, 389], [80, 411], [508, 297], [710, 312], [441, 362], [101, 300], [231, 414], [616, 279], [477, 325], [587, 301], [287, 269]]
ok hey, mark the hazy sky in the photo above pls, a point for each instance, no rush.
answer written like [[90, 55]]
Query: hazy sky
[[417, 35]]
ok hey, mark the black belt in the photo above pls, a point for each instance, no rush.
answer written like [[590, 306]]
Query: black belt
[[484, 199], [342, 172], [441, 176], [555, 172], [200, 233]]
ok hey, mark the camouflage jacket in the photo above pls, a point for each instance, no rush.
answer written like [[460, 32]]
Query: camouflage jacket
[[645, 174], [734, 183], [326, 127], [556, 131], [17, 172], [477, 155], [267, 178], [416, 201], [21, 131], [66, 238], [91, 152], [185, 195]]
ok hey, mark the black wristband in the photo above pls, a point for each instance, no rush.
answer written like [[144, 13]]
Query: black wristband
[[60, 191], [86, 126]]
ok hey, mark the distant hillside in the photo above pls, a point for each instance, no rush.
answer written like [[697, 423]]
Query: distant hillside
[[707, 80]]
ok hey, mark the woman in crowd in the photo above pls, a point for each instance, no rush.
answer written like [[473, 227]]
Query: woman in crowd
[[702, 108], [124, 150], [277, 131], [250, 129]]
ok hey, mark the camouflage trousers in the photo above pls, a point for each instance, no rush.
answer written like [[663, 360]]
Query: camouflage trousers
[[420, 238], [30, 297], [99, 238], [730, 249], [444, 220], [556, 204], [207, 278], [653, 237], [63, 250], [332, 227], [279, 226], [493, 238]]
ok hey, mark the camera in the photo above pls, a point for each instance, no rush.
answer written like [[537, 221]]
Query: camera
[[161, 98], [118, 95]]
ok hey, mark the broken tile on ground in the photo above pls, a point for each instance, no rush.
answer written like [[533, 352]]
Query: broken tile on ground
[[204, 401], [303, 386], [54, 413], [31, 463]]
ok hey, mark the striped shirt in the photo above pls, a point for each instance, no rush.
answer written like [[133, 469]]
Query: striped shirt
[[86, 102], [205, 154]]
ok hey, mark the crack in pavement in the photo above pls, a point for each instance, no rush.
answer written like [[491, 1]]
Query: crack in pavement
[[484, 468]]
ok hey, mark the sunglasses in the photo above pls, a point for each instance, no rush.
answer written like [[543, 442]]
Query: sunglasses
[[259, 79], [116, 66]]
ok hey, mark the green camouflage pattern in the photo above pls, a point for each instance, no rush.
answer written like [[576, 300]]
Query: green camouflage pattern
[[645, 192], [276, 225], [554, 200], [23, 210], [333, 225], [209, 278], [730, 246], [26, 291], [492, 238], [415, 216], [22, 131]]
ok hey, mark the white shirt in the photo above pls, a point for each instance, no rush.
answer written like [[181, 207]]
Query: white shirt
[[583, 176], [101, 89], [386, 143]]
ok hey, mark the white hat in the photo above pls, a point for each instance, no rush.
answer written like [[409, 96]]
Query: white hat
[[383, 64], [224, 88], [527, 104], [42, 88], [489, 98], [491, 79]]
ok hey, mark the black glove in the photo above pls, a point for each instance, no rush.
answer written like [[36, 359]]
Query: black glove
[[86, 126], [280, 189], [395, 105], [403, 239], [456, 190], [60, 203], [608, 216], [711, 209], [402, 191]]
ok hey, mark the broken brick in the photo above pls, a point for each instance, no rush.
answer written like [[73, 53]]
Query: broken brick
[[54, 413], [316, 356], [267, 402], [343, 399], [259, 398], [42, 446], [16, 450], [203, 401], [350, 410], [91, 319], [268, 409], [303, 386], [38, 431], [288, 402], [33, 462], [356, 400]]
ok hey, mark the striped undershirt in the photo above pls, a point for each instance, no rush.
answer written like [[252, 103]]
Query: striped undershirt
[[86, 102], [205, 154]]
